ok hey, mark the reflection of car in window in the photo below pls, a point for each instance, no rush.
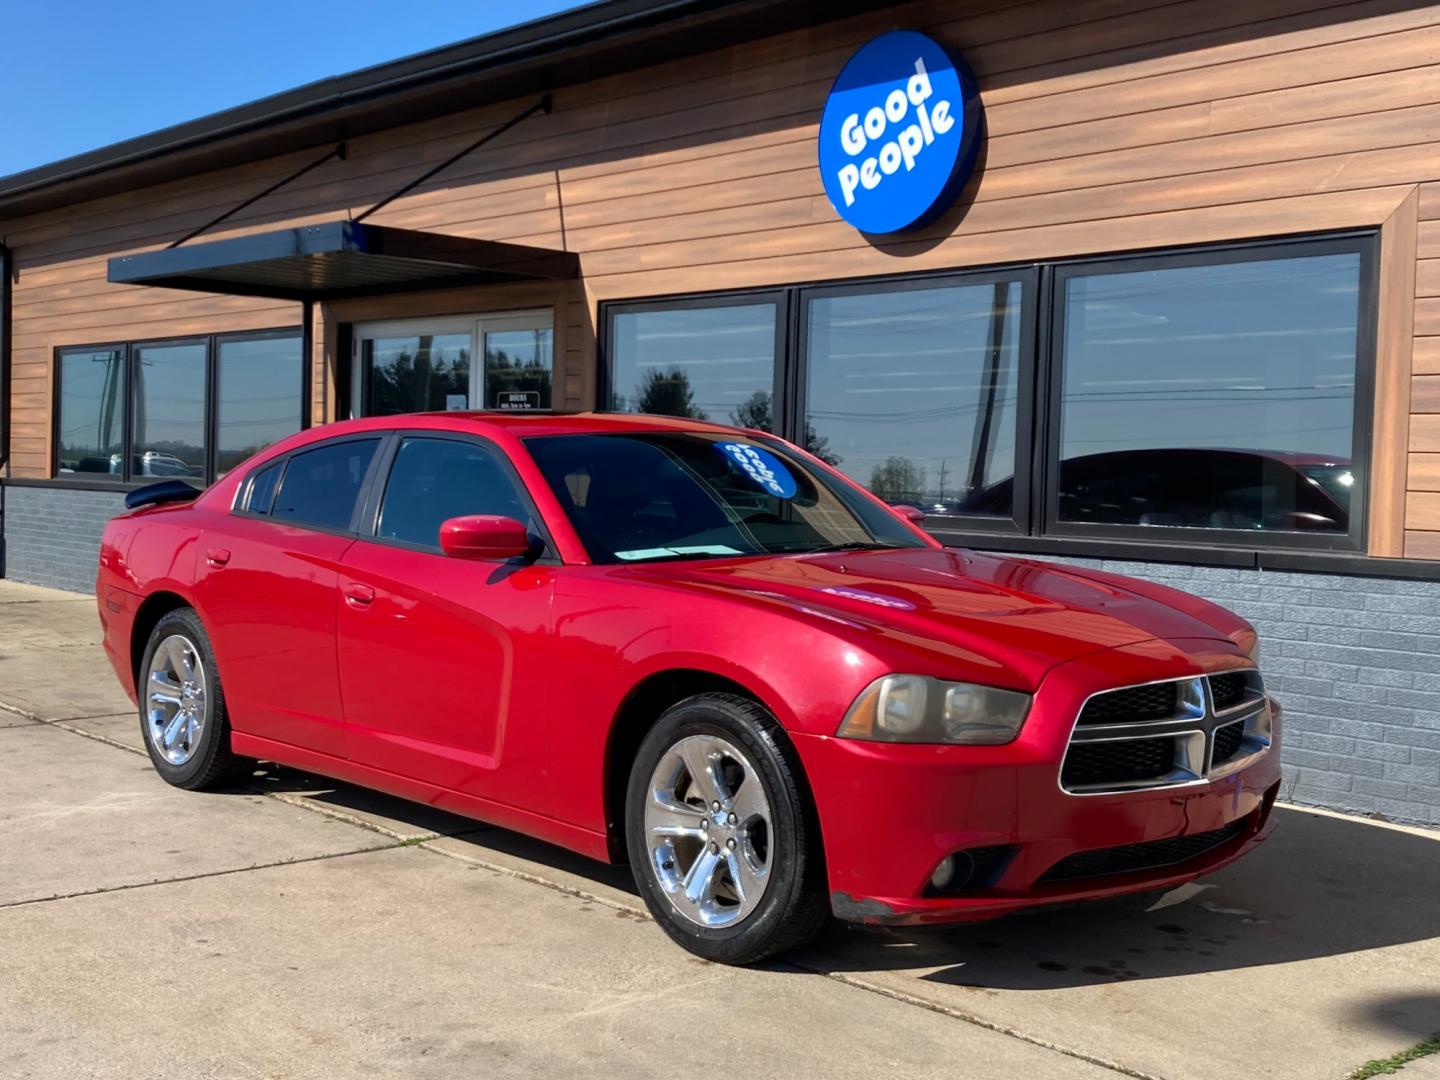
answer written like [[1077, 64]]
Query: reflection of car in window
[[1196, 488]]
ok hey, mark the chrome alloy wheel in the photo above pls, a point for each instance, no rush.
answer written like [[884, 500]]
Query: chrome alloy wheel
[[708, 830], [175, 689]]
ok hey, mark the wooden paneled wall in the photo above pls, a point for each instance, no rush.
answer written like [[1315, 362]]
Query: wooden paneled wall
[[1113, 125]]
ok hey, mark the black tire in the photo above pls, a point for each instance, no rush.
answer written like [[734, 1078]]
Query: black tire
[[211, 759], [792, 907]]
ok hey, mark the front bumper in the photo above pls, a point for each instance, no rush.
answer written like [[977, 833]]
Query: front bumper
[[890, 813]]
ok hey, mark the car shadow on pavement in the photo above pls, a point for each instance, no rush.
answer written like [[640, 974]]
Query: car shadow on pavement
[[403, 817], [1415, 1017], [1319, 886]]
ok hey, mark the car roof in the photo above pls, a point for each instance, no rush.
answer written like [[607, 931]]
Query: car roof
[[521, 425]]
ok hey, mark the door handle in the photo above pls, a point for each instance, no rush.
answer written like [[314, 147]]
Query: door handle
[[357, 595], [217, 557]]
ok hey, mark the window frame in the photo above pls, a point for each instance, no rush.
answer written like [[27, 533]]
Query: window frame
[[1032, 526], [127, 480], [1047, 479], [239, 506], [782, 390]]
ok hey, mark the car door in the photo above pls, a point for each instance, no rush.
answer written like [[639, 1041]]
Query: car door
[[442, 660], [268, 591]]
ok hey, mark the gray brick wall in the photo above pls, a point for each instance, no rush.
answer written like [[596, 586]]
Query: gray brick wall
[[1356, 664], [52, 536]]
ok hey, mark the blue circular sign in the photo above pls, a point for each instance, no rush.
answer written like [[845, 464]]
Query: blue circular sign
[[899, 134], [761, 466]]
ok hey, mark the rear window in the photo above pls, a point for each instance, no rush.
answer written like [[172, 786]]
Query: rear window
[[321, 486]]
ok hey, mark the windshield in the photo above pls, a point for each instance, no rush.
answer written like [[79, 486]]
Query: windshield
[[1337, 480], [653, 496]]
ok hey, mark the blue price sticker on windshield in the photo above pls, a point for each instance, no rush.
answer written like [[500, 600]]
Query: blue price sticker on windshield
[[760, 466]]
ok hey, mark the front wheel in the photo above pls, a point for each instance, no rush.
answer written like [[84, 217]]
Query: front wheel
[[720, 833]]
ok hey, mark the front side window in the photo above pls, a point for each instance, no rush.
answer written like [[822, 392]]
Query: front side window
[[689, 495], [191, 409], [713, 362], [90, 425], [433, 480], [1218, 394], [915, 392], [320, 487]]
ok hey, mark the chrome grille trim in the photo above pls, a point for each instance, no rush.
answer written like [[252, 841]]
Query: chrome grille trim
[[1192, 729]]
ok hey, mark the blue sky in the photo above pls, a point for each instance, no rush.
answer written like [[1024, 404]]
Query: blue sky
[[85, 73]]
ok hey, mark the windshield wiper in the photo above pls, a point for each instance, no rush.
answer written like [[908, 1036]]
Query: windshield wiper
[[853, 545]]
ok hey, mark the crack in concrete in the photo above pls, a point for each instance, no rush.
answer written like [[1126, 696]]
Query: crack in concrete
[[199, 877], [976, 1021]]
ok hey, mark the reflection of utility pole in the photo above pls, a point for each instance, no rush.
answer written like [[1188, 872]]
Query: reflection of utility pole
[[944, 472], [106, 421], [989, 390]]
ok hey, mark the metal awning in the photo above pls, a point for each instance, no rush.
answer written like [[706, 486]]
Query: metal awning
[[340, 259]]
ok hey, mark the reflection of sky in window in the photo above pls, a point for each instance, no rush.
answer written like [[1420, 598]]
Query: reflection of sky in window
[[170, 405], [91, 407], [258, 398], [1255, 355], [903, 375], [727, 355]]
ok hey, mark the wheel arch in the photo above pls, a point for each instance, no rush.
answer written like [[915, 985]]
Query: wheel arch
[[152, 609], [645, 703]]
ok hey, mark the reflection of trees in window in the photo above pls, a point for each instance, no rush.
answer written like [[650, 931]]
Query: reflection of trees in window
[[898, 480], [505, 373], [668, 393], [757, 413], [413, 382]]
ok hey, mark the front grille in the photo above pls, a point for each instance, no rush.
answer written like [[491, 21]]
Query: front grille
[[1228, 689], [1121, 761], [1156, 701], [1227, 741], [1152, 855]]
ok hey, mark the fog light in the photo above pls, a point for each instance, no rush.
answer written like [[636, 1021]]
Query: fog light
[[943, 873]]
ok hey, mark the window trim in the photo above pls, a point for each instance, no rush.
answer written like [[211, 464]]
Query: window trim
[[1029, 529], [782, 391], [126, 480], [1353, 539]]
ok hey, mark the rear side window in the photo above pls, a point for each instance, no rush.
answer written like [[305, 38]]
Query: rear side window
[[260, 492], [433, 480], [321, 485]]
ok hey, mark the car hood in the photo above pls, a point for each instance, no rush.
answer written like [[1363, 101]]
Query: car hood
[[1015, 614]]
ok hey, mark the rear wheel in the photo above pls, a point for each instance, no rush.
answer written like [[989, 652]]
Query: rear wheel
[[721, 834], [182, 705]]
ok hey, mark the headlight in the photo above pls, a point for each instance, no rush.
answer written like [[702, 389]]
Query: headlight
[[918, 709]]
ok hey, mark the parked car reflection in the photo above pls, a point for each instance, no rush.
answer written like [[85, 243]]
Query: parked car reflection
[[1194, 488]]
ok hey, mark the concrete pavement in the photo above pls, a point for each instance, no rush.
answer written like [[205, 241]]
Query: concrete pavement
[[296, 927]]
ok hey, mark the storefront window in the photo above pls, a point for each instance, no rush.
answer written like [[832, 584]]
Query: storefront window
[[1214, 395], [256, 402], [91, 426], [914, 392], [173, 429], [712, 361], [416, 373]]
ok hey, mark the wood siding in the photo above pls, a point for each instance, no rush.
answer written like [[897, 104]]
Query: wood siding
[[1113, 125]]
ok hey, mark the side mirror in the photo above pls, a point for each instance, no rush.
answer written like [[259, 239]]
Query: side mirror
[[484, 536], [912, 514]]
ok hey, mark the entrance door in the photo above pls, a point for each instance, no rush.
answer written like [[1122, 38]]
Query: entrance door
[[425, 365]]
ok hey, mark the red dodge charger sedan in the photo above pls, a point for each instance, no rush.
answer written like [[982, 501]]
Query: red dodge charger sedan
[[698, 649]]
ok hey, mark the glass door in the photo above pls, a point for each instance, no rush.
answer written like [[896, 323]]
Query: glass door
[[426, 365], [519, 360]]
